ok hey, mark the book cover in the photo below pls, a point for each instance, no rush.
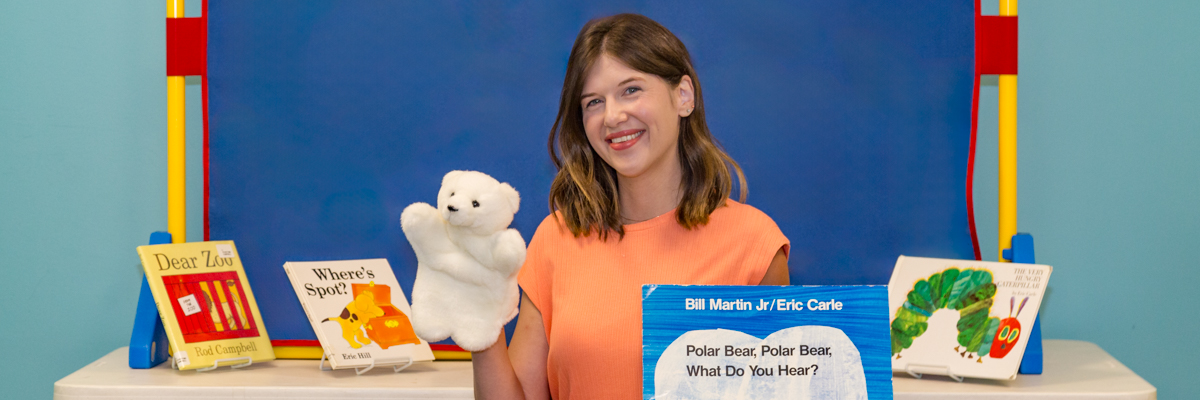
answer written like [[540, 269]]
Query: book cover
[[963, 318], [765, 342], [207, 308], [358, 311]]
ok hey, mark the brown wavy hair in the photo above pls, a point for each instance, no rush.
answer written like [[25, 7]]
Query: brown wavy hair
[[585, 187]]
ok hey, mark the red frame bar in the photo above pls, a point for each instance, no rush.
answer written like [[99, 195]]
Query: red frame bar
[[187, 44]]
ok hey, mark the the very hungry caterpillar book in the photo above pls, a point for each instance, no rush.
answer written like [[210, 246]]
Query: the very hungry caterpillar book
[[207, 308], [358, 311], [963, 317]]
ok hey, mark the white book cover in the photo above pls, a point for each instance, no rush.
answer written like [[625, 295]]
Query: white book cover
[[963, 318], [358, 311]]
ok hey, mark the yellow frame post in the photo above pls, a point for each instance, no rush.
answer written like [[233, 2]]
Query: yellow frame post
[[176, 147], [1007, 214]]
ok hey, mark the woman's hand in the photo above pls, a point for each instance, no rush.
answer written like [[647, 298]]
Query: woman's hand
[[519, 371]]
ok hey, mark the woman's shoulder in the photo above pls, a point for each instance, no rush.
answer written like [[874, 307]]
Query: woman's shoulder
[[736, 214], [753, 228], [553, 228]]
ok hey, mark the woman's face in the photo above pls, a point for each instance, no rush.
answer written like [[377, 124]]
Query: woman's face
[[632, 118]]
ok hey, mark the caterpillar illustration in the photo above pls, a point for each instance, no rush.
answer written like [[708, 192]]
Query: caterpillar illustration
[[971, 293]]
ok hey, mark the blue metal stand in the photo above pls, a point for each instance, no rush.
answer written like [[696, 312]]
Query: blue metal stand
[[148, 343], [1022, 252]]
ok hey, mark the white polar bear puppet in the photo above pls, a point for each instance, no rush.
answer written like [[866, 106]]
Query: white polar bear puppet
[[467, 260]]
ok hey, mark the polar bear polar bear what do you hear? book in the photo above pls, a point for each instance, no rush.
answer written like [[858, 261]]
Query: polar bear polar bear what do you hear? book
[[358, 312]]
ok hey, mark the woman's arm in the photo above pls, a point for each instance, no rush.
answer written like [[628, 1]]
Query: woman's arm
[[519, 371], [777, 273]]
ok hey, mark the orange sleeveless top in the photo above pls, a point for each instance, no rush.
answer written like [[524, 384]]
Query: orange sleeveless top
[[589, 291]]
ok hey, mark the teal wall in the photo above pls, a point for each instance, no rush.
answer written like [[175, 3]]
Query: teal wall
[[1110, 178], [1109, 167]]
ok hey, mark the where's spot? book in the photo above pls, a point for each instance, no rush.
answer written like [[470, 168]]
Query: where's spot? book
[[358, 311], [207, 308], [963, 317]]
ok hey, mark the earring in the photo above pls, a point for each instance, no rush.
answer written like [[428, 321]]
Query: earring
[[690, 110]]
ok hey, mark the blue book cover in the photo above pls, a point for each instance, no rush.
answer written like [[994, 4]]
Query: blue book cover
[[765, 342]]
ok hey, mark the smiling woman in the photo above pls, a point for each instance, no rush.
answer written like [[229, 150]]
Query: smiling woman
[[641, 197], [623, 107], [630, 81]]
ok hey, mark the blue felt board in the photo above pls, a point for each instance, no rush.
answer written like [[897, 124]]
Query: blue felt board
[[863, 318], [850, 118]]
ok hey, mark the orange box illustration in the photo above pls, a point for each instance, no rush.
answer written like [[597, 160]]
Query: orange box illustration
[[393, 327]]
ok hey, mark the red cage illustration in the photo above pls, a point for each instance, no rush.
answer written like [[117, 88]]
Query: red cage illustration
[[210, 306]]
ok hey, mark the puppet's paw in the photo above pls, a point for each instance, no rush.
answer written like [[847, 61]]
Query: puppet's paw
[[476, 337], [419, 217], [509, 251], [429, 326], [512, 303]]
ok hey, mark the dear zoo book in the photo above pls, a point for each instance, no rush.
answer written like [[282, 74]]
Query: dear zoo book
[[358, 312], [966, 317], [207, 308]]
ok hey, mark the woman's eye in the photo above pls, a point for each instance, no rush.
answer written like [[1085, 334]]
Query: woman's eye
[[632, 89], [591, 103]]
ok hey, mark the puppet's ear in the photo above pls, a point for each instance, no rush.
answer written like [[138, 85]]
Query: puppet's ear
[[514, 198], [451, 177]]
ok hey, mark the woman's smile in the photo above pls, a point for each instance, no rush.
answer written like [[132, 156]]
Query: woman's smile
[[624, 139]]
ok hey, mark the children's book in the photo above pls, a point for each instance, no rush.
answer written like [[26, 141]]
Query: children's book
[[963, 318], [765, 342], [207, 308], [358, 311]]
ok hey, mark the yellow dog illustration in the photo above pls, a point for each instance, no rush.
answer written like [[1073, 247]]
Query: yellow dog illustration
[[354, 316]]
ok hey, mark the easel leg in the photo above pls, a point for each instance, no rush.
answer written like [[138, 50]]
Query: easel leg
[[1031, 361], [148, 342]]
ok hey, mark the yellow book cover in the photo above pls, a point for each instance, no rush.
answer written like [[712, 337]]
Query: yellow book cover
[[207, 308]]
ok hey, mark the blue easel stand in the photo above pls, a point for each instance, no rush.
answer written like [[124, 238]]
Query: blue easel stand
[[148, 343], [1022, 252]]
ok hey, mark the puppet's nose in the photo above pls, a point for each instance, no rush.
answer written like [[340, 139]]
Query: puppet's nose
[[451, 208]]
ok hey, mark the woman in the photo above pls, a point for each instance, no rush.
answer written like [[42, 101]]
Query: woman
[[641, 196]]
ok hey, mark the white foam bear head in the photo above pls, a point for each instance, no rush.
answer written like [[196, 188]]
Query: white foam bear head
[[477, 202]]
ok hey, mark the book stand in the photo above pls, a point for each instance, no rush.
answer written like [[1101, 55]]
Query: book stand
[[913, 369], [217, 363], [398, 364]]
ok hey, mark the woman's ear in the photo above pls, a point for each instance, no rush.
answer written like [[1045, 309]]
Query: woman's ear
[[687, 96]]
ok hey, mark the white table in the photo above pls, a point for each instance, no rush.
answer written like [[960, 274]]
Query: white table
[[111, 378], [1073, 370]]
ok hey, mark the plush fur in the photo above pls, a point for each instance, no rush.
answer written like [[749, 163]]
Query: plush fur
[[467, 260]]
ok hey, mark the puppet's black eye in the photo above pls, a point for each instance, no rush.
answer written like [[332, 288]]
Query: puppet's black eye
[[475, 203], [451, 194]]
